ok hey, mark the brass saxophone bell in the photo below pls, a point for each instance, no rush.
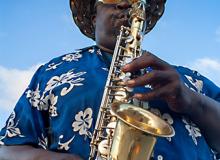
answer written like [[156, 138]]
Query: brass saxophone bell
[[136, 132]]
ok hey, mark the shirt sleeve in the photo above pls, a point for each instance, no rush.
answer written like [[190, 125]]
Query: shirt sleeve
[[27, 124], [211, 90], [199, 83]]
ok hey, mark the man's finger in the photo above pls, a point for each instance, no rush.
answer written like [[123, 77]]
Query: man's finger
[[154, 77], [144, 61]]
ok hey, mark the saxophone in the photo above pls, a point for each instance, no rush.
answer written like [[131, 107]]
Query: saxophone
[[124, 131]]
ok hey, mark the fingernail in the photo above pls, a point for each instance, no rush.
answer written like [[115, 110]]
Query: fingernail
[[125, 67]]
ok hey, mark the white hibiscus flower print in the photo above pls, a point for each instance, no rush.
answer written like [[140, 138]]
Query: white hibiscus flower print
[[99, 52], [53, 108], [34, 97], [198, 84], [43, 103], [193, 130], [64, 145], [53, 66], [71, 78], [72, 84], [105, 69], [11, 128], [72, 57], [159, 157], [190, 87], [83, 121], [91, 50], [216, 155], [43, 142]]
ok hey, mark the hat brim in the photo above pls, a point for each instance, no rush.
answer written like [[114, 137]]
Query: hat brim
[[82, 10]]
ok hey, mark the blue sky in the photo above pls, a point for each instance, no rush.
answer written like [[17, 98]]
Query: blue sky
[[33, 32]]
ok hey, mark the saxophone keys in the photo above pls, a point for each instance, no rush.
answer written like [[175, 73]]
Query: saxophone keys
[[125, 76], [113, 118], [120, 96], [128, 60], [110, 128], [103, 147], [129, 39]]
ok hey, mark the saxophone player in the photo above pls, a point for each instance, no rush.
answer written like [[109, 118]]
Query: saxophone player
[[56, 115]]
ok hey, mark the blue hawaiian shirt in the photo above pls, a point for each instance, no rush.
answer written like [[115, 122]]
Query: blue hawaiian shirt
[[59, 108]]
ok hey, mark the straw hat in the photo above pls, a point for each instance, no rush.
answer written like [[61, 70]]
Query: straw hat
[[83, 9]]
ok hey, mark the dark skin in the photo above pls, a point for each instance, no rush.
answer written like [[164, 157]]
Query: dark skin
[[107, 22], [165, 80], [202, 110], [25, 152]]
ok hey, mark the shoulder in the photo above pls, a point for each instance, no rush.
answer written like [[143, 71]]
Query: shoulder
[[198, 82], [69, 62], [74, 58], [187, 71], [194, 74], [71, 57]]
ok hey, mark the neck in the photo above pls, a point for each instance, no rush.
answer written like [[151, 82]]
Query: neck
[[105, 49]]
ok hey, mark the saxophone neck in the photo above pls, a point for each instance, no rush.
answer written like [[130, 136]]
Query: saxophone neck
[[137, 29], [138, 15]]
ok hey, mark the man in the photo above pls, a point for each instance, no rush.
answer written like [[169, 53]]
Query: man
[[56, 115]]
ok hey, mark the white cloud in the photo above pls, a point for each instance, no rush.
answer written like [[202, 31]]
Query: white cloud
[[12, 84], [208, 67]]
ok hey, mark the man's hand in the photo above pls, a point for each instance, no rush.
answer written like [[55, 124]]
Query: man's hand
[[167, 85], [165, 81], [30, 153]]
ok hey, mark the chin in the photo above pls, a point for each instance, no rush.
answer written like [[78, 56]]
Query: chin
[[112, 38], [107, 45]]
